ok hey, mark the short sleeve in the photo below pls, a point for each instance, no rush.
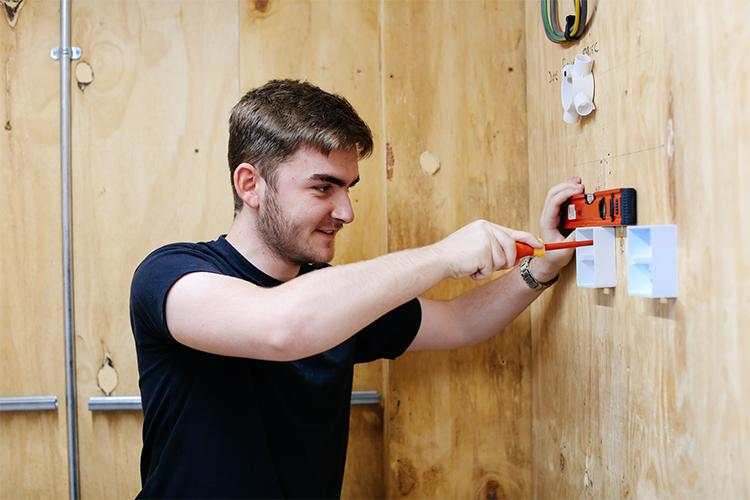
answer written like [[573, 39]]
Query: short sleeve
[[390, 335], [152, 281]]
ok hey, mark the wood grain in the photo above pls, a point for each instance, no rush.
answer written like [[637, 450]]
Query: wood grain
[[637, 397], [455, 87], [33, 445], [149, 168]]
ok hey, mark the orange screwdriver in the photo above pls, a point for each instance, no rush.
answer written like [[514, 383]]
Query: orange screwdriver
[[524, 250]]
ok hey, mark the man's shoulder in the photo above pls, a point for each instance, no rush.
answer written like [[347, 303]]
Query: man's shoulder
[[169, 262], [183, 248], [176, 253], [156, 275]]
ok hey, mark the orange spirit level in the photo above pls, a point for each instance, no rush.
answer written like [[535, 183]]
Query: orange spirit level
[[616, 207]]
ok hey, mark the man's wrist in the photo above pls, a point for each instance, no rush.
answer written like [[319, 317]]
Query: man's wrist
[[541, 271], [530, 280]]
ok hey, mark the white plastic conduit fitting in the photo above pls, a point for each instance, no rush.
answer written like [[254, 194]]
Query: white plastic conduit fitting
[[577, 89]]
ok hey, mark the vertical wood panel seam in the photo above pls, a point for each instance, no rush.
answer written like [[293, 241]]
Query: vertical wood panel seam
[[383, 121], [386, 365], [534, 493]]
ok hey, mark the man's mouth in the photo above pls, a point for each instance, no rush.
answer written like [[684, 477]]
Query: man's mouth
[[329, 231]]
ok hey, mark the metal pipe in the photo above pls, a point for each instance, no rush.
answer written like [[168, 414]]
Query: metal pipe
[[28, 403], [65, 157], [124, 403], [115, 403]]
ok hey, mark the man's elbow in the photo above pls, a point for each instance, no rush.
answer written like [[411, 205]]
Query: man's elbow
[[288, 342]]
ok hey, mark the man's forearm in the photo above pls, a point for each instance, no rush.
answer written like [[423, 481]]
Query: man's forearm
[[474, 316]]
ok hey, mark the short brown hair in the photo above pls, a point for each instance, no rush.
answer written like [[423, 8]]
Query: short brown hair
[[272, 122]]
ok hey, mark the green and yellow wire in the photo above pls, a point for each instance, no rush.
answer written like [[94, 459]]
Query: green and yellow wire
[[574, 25]]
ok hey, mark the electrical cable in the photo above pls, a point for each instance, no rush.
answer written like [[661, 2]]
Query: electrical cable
[[553, 19], [574, 24]]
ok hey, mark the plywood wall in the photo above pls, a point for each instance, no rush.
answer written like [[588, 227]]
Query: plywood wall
[[151, 98], [631, 396], [455, 90], [637, 397], [31, 319]]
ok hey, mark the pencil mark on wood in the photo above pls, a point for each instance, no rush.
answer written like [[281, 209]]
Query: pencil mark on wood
[[609, 157]]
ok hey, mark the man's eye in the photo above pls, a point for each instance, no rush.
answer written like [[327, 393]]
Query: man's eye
[[322, 189]]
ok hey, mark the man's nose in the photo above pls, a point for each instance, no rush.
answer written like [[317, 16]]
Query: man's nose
[[342, 209]]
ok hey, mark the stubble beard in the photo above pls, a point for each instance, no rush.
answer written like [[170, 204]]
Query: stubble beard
[[282, 236]]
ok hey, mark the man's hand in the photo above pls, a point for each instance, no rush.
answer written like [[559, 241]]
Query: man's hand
[[481, 248], [547, 267], [477, 250]]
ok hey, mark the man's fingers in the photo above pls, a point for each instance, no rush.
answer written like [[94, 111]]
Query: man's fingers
[[560, 193], [496, 251], [556, 196], [573, 184], [507, 239]]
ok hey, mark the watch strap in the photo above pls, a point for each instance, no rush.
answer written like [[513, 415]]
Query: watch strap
[[529, 279]]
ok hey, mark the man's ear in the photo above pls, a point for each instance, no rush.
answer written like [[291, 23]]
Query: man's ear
[[249, 185]]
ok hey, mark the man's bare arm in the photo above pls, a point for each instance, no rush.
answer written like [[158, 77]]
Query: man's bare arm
[[319, 310]]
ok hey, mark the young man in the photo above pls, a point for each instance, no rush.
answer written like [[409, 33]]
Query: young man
[[246, 344]]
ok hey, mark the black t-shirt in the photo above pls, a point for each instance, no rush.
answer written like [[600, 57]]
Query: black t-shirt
[[224, 427]]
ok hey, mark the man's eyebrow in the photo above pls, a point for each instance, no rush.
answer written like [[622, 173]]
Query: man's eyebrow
[[332, 180]]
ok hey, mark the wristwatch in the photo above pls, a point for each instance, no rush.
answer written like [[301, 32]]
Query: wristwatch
[[530, 280]]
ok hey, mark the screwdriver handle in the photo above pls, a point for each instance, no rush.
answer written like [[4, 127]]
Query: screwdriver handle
[[524, 250]]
